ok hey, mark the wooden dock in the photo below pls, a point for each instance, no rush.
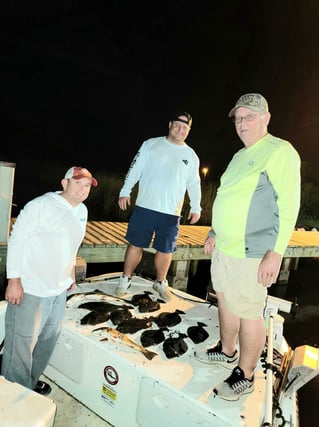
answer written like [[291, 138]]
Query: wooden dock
[[105, 242]]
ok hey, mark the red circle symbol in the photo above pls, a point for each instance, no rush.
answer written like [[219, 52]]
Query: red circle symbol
[[111, 375]]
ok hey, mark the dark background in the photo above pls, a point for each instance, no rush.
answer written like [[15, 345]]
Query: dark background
[[84, 83]]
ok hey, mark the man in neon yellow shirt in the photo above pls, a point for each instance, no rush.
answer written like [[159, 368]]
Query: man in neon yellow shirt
[[254, 214]]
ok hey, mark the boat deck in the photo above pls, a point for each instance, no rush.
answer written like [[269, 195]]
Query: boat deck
[[125, 387]]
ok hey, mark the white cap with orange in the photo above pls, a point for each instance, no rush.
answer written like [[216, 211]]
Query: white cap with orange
[[76, 172]]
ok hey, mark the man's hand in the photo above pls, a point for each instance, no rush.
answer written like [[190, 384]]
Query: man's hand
[[193, 218], [269, 268], [124, 202], [73, 276], [71, 287], [14, 292], [209, 245]]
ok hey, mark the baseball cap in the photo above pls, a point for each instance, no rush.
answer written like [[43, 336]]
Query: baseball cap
[[188, 119], [76, 172], [253, 101]]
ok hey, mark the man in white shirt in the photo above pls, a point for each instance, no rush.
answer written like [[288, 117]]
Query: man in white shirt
[[41, 260], [165, 168]]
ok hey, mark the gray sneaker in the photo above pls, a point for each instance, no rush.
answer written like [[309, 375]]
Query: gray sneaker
[[215, 356], [234, 386], [162, 289], [122, 287]]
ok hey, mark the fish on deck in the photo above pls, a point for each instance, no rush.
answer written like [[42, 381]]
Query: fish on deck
[[96, 294], [149, 306], [117, 336], [168, 319], [197, 333], [100, 311], [130, 326], [103, 306], [152, 336], [175, 346], [119, 316], [146, 302], [143, 298], [94, 318]]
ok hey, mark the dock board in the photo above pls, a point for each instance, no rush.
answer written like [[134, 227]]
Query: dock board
[[105, 242]]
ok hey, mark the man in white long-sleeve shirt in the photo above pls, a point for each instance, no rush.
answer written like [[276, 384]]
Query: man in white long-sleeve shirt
[[41, 260], [165, 169]]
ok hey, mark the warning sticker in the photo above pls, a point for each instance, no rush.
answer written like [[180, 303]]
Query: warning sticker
[[108, 394], [111, 376]]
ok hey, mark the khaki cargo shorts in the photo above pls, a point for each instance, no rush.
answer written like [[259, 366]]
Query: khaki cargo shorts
[[237, 279]]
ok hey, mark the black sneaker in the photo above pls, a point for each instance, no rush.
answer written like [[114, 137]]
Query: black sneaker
[[214, 355], [42, 388], [234, 386]]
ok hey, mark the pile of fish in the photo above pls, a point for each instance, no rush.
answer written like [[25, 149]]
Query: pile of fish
[[124, 322]]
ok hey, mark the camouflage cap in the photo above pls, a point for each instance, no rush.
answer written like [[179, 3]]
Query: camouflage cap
[[253, 101]]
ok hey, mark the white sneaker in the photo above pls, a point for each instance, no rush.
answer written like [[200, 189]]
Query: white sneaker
[[234, 386], [162, 289], [215, 356], [122, 287]]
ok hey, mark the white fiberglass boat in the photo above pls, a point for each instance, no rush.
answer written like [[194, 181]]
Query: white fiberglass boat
[[128, 384]]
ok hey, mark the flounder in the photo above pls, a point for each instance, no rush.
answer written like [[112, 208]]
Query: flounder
[[152, 336], [118, 316], [175, 346], [94, 318], [133, 325], [168, 319], [197, 333]]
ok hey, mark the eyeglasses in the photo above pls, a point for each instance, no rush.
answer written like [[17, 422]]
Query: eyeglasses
[[247, 118]]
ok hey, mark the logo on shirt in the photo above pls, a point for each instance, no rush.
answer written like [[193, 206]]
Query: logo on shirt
[[185, 161]]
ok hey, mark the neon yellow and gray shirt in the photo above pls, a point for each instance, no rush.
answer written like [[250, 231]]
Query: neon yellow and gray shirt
[[257, 202]]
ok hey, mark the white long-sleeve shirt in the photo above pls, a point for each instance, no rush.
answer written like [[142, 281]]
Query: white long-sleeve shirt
[[44, 242], [165, 171]]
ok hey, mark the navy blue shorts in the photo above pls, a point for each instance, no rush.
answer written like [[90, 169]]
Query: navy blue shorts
[[144, 223]]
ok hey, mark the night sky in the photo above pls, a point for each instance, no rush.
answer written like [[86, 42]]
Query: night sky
[[85, 82]]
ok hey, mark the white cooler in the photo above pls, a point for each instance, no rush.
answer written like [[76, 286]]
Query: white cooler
[[22, 407]]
